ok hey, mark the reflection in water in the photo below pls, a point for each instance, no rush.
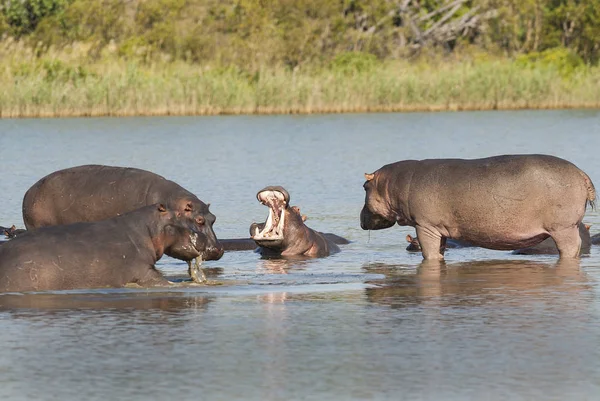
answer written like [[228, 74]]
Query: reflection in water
[[499, 329], [127, 302], [475, 282], [275, 335], [280, 265]]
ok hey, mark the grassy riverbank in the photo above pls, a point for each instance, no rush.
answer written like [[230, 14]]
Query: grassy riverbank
[[69, 85]]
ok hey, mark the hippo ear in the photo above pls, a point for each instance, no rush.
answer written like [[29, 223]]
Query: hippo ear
[[369, 177], [409, 238], [161, 208], [304, 217], [587, 226]]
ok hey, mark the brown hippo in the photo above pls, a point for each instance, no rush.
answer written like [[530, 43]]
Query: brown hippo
[[285, 234], [503, 202], [108, 253], [95, 192]]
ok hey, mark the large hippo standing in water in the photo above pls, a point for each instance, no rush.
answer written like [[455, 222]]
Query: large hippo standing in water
[[108, 253], [285, 234], [95, 192], [503, 202]]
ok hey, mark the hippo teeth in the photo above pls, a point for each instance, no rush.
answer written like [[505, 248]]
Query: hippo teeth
[[273, 228]]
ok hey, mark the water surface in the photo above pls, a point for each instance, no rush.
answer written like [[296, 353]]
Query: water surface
[[371, 322]]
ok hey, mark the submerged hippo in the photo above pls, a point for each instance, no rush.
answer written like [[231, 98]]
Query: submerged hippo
[[12, 231], [548, 247], [95, 192], [285, 234], [503, 202], [108, 253]]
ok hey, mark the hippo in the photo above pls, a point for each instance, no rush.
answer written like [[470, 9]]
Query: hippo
[[95, 192], [108, 253], [12, 231], [503, 202], [284, 233], [595, 239]]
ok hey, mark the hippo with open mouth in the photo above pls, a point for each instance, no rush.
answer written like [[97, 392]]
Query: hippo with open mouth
[[284, 232]]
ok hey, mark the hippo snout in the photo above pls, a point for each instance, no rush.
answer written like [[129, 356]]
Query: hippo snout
[[372, 221], [213, 253]]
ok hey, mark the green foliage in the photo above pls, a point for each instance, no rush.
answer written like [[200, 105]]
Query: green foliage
[[354, 63], [564, 60], [349, 35], [24, 16]]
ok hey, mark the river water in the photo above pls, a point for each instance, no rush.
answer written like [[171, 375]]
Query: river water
[[371, 322]]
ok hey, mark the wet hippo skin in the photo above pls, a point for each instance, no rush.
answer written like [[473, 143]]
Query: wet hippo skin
[[504, 202], [284, 232], [108, 253], [95, 192]]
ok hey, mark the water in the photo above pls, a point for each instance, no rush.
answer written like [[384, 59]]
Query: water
[[371, 322]]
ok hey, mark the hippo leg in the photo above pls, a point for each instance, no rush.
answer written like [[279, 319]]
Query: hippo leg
[[431, 243], [568, 242]]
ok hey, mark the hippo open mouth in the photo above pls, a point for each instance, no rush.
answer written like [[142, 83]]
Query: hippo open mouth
[[277, 199]]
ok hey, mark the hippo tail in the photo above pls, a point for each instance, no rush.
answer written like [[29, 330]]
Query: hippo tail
[[589, 185]]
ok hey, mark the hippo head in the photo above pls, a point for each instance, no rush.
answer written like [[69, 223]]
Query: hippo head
[[375, 214], [413, 244], [181, 242], [202, 220], [283, 224]]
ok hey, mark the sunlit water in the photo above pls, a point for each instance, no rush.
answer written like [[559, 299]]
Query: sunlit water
[[371, 322]]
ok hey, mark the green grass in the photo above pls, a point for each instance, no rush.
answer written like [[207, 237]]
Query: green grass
[[68, 84]]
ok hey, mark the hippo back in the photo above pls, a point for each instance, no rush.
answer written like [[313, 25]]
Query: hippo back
[[95, 192]]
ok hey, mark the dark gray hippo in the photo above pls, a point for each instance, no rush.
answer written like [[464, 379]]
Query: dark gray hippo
[[12, 231], [108, 253], [95, 192], [548, 247], [447, 243], [285, 234], [595, 239], [504, 202]]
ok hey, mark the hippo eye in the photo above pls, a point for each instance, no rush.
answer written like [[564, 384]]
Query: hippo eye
[[188, 207], [200, 220]]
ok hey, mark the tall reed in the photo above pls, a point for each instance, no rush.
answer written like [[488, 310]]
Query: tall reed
[[68, 84]]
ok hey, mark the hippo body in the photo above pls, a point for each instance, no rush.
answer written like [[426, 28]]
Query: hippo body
[[238, 244], [94, 192], [503, 202], [285, 234], [108, 253], [245, 244]]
